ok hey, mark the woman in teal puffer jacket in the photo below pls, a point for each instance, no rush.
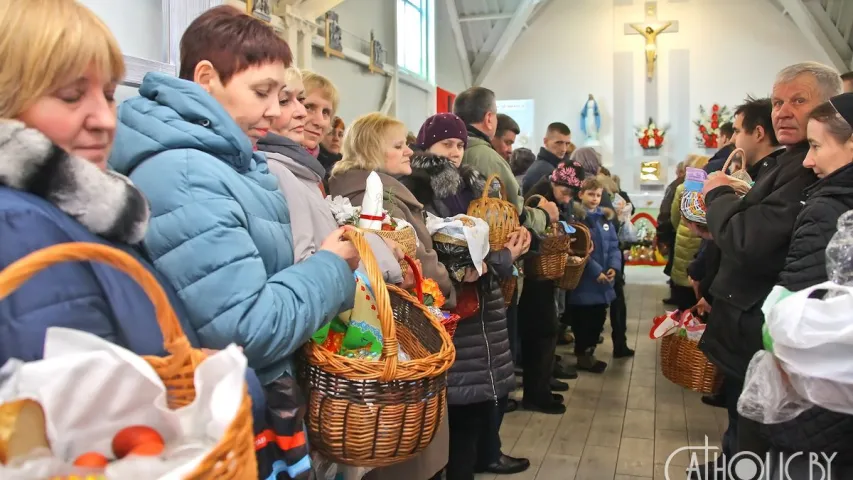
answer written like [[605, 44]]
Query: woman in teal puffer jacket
[[220, 228]]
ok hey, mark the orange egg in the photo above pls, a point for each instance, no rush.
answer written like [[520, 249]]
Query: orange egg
[[148, 449], [129, 438], [91, 460]]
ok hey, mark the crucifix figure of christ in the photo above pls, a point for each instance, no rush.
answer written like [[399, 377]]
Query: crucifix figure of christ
[[650, 29]]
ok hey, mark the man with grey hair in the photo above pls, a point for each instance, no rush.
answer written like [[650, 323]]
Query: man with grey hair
[[753, 234]]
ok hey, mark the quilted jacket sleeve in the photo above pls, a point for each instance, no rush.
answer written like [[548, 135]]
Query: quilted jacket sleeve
[[66, 295], [204, 249], [805, 264], [614, 255]]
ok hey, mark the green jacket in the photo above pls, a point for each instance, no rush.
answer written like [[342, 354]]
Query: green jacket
[[480, 155], [686, 243]]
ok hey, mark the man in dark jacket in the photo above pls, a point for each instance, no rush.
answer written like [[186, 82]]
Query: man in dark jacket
[[715, 164], [556, 145], [753, 234]]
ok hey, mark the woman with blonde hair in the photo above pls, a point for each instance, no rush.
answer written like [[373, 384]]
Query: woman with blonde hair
[[377, 143], [61, 67], [687, 245]]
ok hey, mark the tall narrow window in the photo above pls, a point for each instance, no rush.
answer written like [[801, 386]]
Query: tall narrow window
[[416, 38]]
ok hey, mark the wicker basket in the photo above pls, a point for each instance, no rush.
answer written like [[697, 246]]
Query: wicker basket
[[580, 247], [550, 263], [378, 413], [406, 238], [684, 364], [234, 456], [499, 214], [741, 181]]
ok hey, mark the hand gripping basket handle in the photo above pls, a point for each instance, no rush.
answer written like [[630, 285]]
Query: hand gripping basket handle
[[488, 186], [16, 274], [731, 157], [390, 346], [419, 278]]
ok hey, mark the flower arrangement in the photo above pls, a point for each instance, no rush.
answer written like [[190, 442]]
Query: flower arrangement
[[708, 126], [650, 136]]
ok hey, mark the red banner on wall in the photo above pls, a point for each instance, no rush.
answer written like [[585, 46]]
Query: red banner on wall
[[444, 100]]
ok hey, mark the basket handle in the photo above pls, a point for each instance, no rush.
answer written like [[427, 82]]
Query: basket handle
[[16, 274], [537, 197], [488, 186], [731, 157], [390, 346], [419, 278]]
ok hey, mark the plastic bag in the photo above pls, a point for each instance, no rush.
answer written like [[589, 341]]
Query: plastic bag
[[90, 388], [768, 396], [628, 233], [455, 258], [810, 340]]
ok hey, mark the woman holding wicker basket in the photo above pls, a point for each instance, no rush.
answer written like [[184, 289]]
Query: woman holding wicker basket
[[377, 143], [483, 372]]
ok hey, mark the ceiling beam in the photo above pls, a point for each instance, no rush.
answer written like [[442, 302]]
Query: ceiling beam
[[488, 46], [507, 38], [484, 17], [461, 51], [830, 28], [814, 34]]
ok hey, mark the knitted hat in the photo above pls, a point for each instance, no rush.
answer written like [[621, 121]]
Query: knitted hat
[[568, 174], [844, 106], [439, 127]]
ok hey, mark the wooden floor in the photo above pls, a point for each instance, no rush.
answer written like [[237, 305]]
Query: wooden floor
[[621, 425]]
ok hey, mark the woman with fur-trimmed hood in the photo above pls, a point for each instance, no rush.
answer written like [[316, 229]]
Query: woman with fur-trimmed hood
[[483, 372]]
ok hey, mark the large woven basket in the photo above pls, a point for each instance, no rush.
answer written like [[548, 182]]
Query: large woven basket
[[580, 247], [550, 263], [500, 214], [684, 364], [378, 413], [406, 238], [234, 456], [741, 180]]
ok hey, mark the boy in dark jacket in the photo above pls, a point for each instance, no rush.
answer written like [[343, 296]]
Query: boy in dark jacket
[[588, 302]]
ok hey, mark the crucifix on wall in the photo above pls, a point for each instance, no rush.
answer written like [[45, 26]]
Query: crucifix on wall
[[650, 29]]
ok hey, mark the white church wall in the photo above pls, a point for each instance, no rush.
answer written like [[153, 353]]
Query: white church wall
[[736, 47]]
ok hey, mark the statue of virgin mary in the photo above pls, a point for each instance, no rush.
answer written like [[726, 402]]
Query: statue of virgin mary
[[590, 121]]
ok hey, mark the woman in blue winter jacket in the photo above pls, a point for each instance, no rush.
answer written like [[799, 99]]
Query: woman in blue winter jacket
[[588, 302], [220, 228], [57, 125]]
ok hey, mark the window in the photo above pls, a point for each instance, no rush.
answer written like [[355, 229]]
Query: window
[[416, 38]]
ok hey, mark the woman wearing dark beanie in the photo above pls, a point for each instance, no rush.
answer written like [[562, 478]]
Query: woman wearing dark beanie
[[482, 376]]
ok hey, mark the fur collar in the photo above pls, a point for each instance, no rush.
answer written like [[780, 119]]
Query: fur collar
[[435, 178], [581, 213], [104, 202]]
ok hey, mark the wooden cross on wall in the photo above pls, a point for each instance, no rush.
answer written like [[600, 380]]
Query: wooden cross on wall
[[650, 29]]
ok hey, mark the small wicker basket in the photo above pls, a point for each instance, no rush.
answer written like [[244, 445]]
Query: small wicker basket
[[581, 246], [502, 218], [684, 364], [234, 455], [550, 263], [501, 215], [741, 180], [407, 239], [378, 413]]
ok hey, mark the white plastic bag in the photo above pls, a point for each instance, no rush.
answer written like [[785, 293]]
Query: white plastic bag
[[812, 356], [90, 388], [768, 396], [814, 337]]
